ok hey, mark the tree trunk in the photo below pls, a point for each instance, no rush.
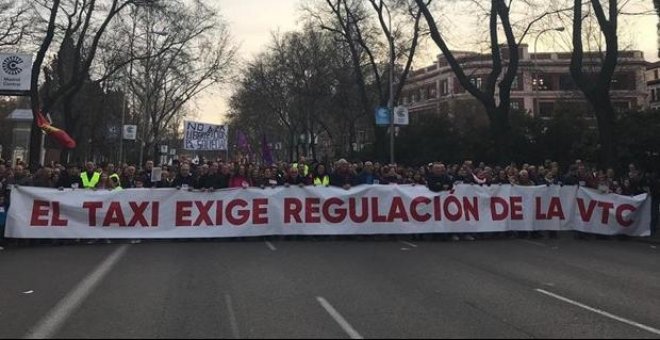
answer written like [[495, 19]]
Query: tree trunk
[[606, 129], [68, 125], [501, 131], [351, 140], [292, 145], [381, 145], [35, 143]]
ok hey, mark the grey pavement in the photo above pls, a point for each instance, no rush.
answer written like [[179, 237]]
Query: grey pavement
[[380, 289]]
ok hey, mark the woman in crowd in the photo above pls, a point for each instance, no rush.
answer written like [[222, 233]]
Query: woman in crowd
[[240, 178], [320, 176]]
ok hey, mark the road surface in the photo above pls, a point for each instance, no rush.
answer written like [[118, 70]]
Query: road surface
[[333, 289]]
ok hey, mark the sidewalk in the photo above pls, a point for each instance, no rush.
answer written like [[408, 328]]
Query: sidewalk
[[655, 239]]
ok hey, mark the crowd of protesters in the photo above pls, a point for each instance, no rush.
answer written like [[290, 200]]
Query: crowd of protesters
[[209, 175]]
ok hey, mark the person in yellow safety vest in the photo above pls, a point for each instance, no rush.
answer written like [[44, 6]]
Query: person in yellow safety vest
[[116, 182], [321, 177], [305, 170], [90, 178]]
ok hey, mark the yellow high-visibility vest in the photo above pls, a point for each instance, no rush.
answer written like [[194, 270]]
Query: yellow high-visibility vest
[[306, 171], [90, 183], [325, 180]]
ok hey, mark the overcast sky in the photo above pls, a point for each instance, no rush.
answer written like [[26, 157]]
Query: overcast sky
[[252, 23]]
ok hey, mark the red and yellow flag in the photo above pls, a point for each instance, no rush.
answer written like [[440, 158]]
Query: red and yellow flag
[[60, 136]]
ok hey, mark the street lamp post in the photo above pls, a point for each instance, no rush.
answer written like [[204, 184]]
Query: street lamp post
[[537, 105], [390, 100], [121, 128]]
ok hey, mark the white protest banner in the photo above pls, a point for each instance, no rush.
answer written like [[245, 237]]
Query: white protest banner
[[374, 209], [15, 72], [204, 137]]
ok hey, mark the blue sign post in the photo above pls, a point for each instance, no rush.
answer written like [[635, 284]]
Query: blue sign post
[[382, 116]]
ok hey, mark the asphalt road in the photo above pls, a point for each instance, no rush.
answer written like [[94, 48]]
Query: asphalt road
[[333, 289]]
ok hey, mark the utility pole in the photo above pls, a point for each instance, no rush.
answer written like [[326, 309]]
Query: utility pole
[[390, 100]]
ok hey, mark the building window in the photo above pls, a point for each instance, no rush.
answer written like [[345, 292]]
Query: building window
[[546, 109], [623, 81], [517, 85], [422, 94], [413, 98], [517, 104], [457, 87], [542, 82], [566, 83], [476, 81], [444, 87], [652, 95], [621, 106], [444, 107], [433, 92]]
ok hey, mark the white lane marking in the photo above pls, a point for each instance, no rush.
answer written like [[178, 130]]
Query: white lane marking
[[409, 244], [55, 318], [339, 319], [232, 318], [271, 246], [601, 312], [539, 244]]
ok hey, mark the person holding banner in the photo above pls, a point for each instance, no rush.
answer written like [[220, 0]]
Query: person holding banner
[[269, 178], [90, 177], [146, 175], [207, 181], [320, 176], [167, 181], [296, 178], [438, 179], [240, 178], [222, 181], [342, 176], [70, 178], [128, 178], [202, 172], [367, 175], [3, 218], [302, 162], [104, 183], [185, 180]]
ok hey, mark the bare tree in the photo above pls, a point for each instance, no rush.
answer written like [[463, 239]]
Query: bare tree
[[14, 22], [498, 112], [354, 24], [186, 49], [596, 88], [35, 140], [303, 85], [83, 26], [656, 5]]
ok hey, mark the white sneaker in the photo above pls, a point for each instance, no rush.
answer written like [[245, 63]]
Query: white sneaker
[[468, 238], [136, 241], [455, 238], [1, 248]]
